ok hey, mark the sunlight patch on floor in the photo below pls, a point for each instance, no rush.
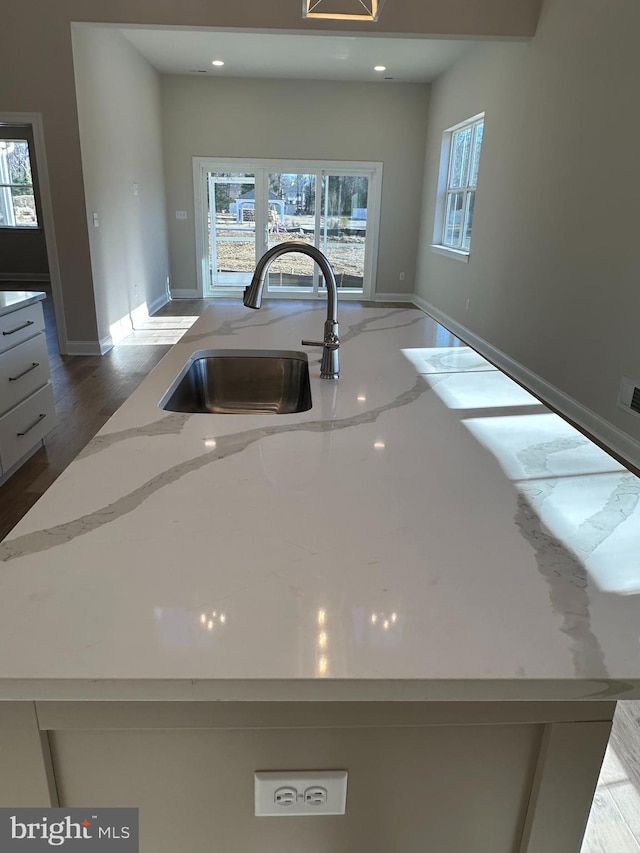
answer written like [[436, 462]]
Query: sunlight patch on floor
[[158, 330]]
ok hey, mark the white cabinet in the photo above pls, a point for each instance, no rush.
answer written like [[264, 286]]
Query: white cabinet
[[27, 412], [20, 324]]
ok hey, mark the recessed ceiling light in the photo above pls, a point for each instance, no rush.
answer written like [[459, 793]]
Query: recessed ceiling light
[[217, 62], [380, 68]]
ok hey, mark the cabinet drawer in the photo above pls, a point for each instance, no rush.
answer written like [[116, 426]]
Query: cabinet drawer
[[23, 369], [23, 427], [20, 325]]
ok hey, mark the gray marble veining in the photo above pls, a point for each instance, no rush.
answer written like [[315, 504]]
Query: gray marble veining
[[172, 424], [226, 445], [248, 321], [567, 579]]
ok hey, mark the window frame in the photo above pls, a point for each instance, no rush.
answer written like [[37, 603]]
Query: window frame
[[13, 186], [445, 190]]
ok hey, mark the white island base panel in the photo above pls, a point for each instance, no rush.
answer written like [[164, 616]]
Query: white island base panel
[[451, 777]]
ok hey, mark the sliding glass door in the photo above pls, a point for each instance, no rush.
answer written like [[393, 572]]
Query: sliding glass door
[[292, 216], [245, 207], [344, 206], [231, 227]]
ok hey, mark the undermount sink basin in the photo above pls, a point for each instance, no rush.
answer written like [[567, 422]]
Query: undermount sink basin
[[241, 382]]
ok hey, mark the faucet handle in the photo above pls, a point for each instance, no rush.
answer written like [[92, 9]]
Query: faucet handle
[[330, 345]]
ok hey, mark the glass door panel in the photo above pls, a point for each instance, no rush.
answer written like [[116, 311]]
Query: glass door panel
[[343, 227], [291, 215], [231, 229], [244, 207]]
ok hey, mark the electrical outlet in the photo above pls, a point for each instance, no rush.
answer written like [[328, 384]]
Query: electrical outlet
[[297, 793], [285, 796], [181, 214], [316, 796], [96, 220], [401, 276]]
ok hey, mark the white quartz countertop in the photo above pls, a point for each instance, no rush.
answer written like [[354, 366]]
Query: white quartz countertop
[[12, 300], [428, 530]]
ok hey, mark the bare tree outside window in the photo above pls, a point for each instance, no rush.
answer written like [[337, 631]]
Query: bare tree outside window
[[17, 199], [462, 180]]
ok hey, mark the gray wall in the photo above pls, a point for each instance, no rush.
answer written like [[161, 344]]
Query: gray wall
[[554, 269], [310, 120], [121, 139], [23, 251], [43, 30]]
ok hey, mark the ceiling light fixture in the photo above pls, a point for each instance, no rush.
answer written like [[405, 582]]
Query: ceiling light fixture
[[379, 67], [343, 10], [218, 63]]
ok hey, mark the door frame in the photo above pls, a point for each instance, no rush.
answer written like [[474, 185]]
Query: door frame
[[203, 165], [34, 120]]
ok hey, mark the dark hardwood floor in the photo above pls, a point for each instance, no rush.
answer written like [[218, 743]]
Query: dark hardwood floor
[[87, 391]]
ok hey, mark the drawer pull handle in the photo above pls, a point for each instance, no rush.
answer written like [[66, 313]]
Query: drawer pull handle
[[34, 424], [17, 328], [24, 372]]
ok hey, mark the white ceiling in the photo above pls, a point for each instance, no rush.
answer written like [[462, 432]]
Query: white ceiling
[[295, 56]]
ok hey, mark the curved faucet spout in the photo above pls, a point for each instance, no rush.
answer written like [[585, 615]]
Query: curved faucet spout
[[329, 368]]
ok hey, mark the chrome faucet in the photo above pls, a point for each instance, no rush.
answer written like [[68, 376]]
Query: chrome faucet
[[329, 367]]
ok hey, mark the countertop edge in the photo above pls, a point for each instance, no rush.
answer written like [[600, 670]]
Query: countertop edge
[[321, 690], [30, 297]]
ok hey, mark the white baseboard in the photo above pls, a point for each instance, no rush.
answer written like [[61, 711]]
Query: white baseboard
[[25, 276], [157, 304], [106, 344], [89, 347], [119, 330], [610, 436], [180, 293], [395, 297]]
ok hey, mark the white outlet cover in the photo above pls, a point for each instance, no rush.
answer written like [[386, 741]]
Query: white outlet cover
[[181, 214], [267, 782]]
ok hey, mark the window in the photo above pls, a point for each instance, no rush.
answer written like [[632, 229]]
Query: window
[[464, 143], [17, 199]]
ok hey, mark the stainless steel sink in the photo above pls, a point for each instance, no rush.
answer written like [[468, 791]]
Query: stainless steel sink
[[241, 382]]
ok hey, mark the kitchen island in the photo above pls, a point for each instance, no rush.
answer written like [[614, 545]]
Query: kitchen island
[[421, 579]]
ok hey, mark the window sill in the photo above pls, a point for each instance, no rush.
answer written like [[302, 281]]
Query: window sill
[[456, 254]]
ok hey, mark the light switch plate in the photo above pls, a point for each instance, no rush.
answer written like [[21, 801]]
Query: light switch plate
[[181, 214]]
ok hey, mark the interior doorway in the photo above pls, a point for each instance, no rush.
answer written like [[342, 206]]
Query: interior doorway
[[245, 207], [27, 232]]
